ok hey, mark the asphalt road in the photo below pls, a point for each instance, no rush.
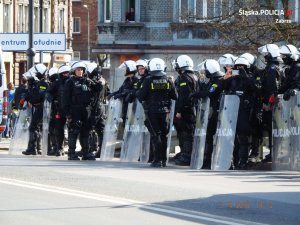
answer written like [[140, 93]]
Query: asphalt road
[[35, 190]]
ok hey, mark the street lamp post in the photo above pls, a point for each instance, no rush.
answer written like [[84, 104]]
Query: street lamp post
[[88, 18]]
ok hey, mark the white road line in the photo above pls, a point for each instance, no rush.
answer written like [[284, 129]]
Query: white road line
[[123, 201]]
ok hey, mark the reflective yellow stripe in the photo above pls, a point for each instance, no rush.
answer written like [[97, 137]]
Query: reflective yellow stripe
[[215, 85], [182, 84], [152, 86], [43, 87], [168, 86], [257, 78]]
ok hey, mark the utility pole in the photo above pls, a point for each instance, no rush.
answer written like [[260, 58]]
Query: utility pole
[[30, 51], [41, 26], [88, 18]]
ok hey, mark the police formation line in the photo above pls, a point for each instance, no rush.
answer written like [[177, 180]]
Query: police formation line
[[219, 110]]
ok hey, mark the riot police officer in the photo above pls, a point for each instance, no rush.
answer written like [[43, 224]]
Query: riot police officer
[[129, 84], [56, 91], [292, 72], [52, 146], [270, 83], [98, 112], [77, 104], [243, 86], [156, 92], [35, 97], [256, 115], [213, 90], [185, 112]]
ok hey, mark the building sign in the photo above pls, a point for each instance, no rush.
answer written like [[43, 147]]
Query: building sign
[[41, 41]]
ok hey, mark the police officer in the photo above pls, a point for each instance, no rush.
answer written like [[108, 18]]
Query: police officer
[[35, 97], [52, 145], [270, 83], [142, 72], [243, 86], [212, 89], [56, 91], [156, 92], [256, 115], [292, 72], [98, 112], [129, 84], [185, 112], [77, 104]]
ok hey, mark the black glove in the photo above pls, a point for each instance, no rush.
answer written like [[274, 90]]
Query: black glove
[[130, 97], [116, 96], [110, 96]]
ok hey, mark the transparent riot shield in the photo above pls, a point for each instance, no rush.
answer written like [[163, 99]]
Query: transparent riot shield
[[296, 138], [145, 150], [111, 129], [46, 121], [224, 137], [133, 133], [171, 129], [20, 136], [281, 133], [200, 134]]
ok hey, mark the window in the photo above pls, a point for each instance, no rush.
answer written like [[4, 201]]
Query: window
[[76, 25], [203, 10], [76, 55], [61, 21], [128, 11], [26, 14], [36, 19], [20, 19], [6, 18], [107, 10], [46, 20]]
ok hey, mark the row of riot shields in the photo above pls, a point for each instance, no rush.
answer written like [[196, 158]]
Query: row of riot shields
[[224, 137], [136, 137], [286, 133], [20, 136]]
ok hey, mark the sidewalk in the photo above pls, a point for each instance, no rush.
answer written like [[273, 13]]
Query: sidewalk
[[4, 143]]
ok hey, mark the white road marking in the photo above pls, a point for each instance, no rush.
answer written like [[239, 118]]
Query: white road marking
[[123, 201]]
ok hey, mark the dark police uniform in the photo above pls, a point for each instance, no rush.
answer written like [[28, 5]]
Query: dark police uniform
[[77, 104], [156, 93]]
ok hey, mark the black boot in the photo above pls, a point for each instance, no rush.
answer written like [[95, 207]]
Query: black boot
[[31, 148], [206, 163], [72, 138], [243, 165]]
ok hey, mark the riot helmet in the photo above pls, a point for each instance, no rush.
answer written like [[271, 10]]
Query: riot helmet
[[77, 65], [211, 68], [39, 70], [141, 63], [183, 63], [270, 52], [93, 69], [157, 66], [289, 54], [227, 60], [129, 67], [64, 71], [53, 74]]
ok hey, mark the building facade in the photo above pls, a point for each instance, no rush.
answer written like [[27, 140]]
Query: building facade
[[50, 17], [158, 28], [84, 29]]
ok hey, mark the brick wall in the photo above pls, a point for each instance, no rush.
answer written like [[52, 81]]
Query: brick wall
[[80, 40]]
